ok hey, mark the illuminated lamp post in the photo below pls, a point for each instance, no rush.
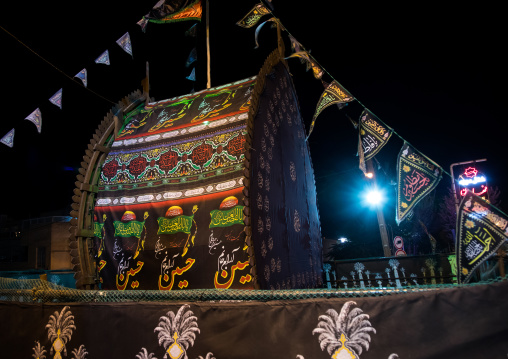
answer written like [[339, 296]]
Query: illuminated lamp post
[[379, 211], [472, 177]]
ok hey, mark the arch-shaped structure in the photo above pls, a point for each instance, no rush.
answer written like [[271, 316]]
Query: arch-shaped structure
[[82, 230], [231, 161]]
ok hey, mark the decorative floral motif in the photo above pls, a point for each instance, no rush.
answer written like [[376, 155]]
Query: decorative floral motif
[[260, 226], [177, 332], [292, 171], [60, 327], [296, 221], [39, 351], [259, 201], [346, 335]]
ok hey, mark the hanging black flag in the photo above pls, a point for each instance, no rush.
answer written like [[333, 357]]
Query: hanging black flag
[[334, 94], [253, 16], [417, 177], [481, 230], [372, 137]]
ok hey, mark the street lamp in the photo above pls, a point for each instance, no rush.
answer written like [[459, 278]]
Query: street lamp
[[374, 197], [379, 211]]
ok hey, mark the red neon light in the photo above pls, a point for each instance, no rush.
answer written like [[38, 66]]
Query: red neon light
[[471, 172], [464, 191]]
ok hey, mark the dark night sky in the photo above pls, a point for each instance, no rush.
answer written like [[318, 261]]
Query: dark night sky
[[435, 75]]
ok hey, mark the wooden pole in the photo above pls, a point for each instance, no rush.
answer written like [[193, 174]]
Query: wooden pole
[[380, 217], [209, 79]]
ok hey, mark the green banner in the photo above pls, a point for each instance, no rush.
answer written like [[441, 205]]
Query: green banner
[[130, 229], [97, 229], [226, 218], [175, 225]]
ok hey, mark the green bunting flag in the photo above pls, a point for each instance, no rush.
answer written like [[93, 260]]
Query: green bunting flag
[[416, 177], [481, 230], [333, 94], [253, 16], [372, 137]]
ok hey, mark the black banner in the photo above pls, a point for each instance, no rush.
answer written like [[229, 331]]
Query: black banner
[[465, 322], [373, 136], [481, 230], [417, 177], [334, 93], [253, 16]]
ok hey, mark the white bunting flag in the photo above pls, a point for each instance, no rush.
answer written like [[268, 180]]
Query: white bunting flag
[[125, 43], [103, 58], [36, 118], [8, 139], [56, 99], [82, 76]]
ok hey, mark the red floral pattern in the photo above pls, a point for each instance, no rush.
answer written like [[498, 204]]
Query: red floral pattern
[[110, 169], [137, 166], [168, 161]]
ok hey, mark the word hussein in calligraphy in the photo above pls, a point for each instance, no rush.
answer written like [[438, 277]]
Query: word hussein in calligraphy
[[413, 183]]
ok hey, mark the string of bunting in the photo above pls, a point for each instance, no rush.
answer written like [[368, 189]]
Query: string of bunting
[[181, 10], [481, 227]]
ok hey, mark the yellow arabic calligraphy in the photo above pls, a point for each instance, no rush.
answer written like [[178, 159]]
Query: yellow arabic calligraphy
[[180, 224], [421, 161], [487, 241], [233, 216], [375, 126], [128, 229]]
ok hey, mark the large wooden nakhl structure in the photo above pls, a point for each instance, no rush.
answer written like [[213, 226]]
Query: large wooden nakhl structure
[[213, 189]]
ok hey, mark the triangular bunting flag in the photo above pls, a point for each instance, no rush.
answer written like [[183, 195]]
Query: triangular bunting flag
[[481, 230], [193, 56], [193, 31], [103, 58], [173, 11], [316, 70], [373, 136], [296, 47], [334, 93], [253, 16], [56, 99], [125, 43], [8, 139], [192, 76], [258, 29], [417, 177], [143, 22], [82, 76], [36, 118]]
